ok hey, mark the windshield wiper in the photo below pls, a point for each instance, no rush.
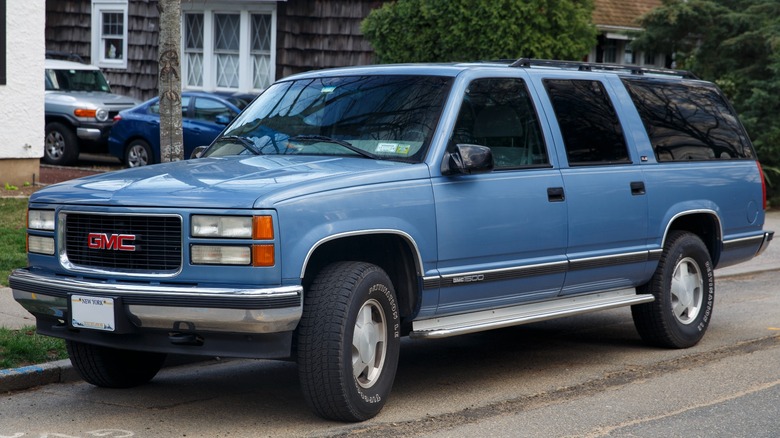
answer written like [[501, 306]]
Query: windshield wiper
[[326, 139], [245, 142]]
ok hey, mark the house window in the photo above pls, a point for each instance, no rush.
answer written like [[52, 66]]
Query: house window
[[232, 48], [227, 30], [109, 33], [193, 49]]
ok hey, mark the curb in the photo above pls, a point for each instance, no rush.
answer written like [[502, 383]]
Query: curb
[[16, 379]]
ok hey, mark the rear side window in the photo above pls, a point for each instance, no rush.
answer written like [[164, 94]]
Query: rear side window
[[688, 121], [589, 124]]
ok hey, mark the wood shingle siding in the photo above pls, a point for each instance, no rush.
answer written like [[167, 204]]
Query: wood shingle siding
[[315, 34]]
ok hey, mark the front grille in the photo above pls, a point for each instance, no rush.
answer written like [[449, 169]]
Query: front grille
[[157, 242]]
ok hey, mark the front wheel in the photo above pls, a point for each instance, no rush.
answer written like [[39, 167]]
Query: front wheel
[[61, 146], [684, 290], [113, 368], [348, 341]]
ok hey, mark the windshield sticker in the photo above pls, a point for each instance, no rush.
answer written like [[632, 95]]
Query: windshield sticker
[[393, 148], [328, 90]]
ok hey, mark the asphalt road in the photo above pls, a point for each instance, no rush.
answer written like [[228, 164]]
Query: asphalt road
[[586, 376]]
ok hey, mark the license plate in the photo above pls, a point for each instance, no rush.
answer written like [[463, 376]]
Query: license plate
[[96, 313]]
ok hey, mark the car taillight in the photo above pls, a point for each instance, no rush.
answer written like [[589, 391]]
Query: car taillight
[[117, 118], [763, 183]]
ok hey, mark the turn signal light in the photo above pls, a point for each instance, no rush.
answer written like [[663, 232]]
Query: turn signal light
[[263, 255]]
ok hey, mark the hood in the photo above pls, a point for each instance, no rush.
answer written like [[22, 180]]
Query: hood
[[97, 98], [231, 182]]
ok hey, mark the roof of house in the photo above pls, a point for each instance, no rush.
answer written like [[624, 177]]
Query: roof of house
[[621, 13]]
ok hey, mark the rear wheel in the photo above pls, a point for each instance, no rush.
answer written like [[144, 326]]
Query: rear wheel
[[684, 290], [138, 153], [348, 341], [61, 146], [113, 368]]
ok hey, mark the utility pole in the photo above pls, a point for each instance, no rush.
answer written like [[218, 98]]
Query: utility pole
[[169, 81]]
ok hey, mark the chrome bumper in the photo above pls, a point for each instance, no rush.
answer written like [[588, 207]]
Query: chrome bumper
[[768, 235], [236, 310]]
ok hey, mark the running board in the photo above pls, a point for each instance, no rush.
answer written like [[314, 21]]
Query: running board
[[460, 324]]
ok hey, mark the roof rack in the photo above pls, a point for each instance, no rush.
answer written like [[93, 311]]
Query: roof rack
[[592, 66], [64, 56]]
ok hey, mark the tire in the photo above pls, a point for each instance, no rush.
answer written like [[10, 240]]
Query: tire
[[113, 368], [61, 147], [684, 289], [138, 153], [350, 315]]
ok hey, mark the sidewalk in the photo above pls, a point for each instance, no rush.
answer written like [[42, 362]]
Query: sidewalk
[[13, 316]]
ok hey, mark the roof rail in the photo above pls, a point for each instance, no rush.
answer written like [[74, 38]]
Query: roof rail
[[592, 66], [65, 56]]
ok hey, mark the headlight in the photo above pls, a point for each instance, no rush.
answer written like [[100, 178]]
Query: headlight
[[40, 220], [101, 115], [233, 227], [40, 245], [221, 255]]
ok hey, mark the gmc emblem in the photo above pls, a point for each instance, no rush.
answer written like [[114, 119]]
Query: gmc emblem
[[115, 242]]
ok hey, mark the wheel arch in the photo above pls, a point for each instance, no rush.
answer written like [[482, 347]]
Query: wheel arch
[[392, 250], [705, 224]]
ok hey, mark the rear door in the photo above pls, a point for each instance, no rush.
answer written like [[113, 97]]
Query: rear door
[[603, 183]]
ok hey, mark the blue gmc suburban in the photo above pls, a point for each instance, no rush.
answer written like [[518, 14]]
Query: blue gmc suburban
[[347, 208]]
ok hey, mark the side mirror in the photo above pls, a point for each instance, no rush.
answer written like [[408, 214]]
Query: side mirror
[[198, 152], [467, 159], [222, 119]]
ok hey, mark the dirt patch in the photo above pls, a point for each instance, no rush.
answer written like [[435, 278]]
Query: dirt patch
[[49, 175]]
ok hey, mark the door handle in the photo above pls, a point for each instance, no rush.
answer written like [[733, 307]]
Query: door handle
[[637, 188], [555, 194]]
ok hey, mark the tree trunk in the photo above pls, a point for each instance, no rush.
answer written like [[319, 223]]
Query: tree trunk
[[169, 81]]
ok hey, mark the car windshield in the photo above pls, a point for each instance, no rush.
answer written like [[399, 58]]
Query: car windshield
[[76, 80], [374, 117]]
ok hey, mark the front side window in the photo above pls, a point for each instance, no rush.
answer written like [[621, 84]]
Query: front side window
[[109, 33], [688, 122], [498, 113], [378, 117], [590, 127], [210, 109]]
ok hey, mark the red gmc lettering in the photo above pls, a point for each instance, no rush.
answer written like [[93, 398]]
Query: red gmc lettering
[[117, 242]]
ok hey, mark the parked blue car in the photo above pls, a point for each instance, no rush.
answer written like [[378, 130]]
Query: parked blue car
[[135, 136]]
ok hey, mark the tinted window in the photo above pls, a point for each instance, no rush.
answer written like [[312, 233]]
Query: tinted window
[[589, 124], [209, 109], [687, 121], [498, 113]]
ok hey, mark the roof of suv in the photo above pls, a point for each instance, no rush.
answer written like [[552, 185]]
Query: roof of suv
[[58, 64], [453, 69]]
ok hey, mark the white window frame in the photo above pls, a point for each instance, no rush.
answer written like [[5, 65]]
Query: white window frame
[[245, 80], [99, 7]]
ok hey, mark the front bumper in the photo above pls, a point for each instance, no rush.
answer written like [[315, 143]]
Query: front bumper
[[176, 313]]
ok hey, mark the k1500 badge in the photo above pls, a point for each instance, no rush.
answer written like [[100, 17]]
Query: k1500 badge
[[115, 242]]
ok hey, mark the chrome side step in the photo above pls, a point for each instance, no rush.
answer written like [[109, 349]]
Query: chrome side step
[[460, 324]]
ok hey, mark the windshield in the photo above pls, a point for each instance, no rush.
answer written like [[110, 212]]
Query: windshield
[[76, 80], [375, 117]]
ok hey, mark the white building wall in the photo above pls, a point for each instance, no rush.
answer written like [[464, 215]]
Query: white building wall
[[21, 99]]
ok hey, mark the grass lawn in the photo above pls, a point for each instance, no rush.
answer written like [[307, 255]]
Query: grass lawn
[[23, 347], [13, 215], [20, 347]]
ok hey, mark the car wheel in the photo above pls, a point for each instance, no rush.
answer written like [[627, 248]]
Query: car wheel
[[60, 145], [113, 368], [684, 289], [348, 341], [138, 153]]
